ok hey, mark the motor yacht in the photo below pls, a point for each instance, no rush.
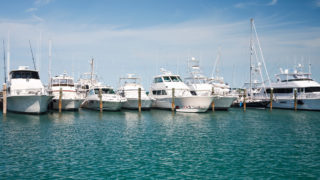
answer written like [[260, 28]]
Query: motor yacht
[[129, 89], [26, 93], [307, 90], [162, 88], [109, 99], [71, 98]]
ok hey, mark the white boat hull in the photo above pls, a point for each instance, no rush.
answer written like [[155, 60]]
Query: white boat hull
[[185, 104], [223, 102], [106, 105], [34, 104], [67, 104], [302, 104], [132, 103]]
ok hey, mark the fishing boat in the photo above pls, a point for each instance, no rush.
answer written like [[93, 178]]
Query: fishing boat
[[129, 89], [295, 87], [26, 93], [71, 99], [103, 97], [169, 90]]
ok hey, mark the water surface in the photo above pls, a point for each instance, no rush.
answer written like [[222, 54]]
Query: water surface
[[158, 144]]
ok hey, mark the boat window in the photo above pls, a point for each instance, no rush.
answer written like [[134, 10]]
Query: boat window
[[24, 75], [63, 81], [158, 80], [179, 78], [280, 90], [193, 93], [158, 92], [107, 91], [175, 79], [312, 89], [166, 79], [163, 92], [70, 82], [154, 92]]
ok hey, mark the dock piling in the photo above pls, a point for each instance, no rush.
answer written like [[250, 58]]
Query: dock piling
[[139, 99], [60, 100], [4, 99], [172, 101], [244, 100], [271, 99], [212, 103], [100, 100], [295, 99]]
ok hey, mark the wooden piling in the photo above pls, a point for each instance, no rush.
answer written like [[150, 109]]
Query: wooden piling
[[172, 101], [139, 99], [295, 99], [4, 99], [212, 103], [60, 100], [100, 99], [271, 99], [244, 100]]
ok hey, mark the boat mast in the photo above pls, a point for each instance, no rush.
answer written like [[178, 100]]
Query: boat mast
[[92, 68], [4, 63], [49, 66], [251, 49], [8, 57], [34, 64]]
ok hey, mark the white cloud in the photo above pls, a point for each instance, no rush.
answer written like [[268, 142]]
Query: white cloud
[[317, 3], [146, 49], [272, 3], [31, 9], [42, 2]]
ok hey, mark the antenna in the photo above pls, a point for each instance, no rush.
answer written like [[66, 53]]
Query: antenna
[[4, 63], [50, 61], [34, 64]]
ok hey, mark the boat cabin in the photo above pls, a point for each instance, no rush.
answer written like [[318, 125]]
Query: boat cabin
[[103, 91]]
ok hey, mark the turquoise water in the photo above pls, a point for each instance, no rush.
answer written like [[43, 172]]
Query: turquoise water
[[159, 145]]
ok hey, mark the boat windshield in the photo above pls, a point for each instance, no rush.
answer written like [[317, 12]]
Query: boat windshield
[[104, 91], [158, 80], [24, 75], [175, 78], [166, 79]]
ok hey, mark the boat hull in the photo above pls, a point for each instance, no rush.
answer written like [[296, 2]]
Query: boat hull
[[185, 104], [106, 105], [302, 104], [34, 104], [132, 103], [67, 104], [223, 102]]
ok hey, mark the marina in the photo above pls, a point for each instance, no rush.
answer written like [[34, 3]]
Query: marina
[[160, 89]]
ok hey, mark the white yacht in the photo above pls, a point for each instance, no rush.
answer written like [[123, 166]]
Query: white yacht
[[71, 98], [110, 100], [308, 90], [26, 93], [223, 97], [129, 88], [201, 86], [161, 91]]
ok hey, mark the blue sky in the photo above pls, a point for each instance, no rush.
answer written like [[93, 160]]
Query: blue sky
[[136, 36]]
